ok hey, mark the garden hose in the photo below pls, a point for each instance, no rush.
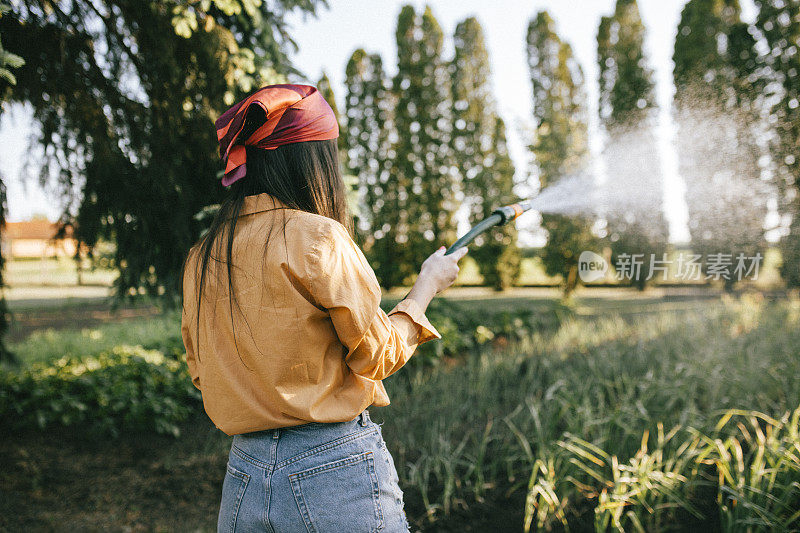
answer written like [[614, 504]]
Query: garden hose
[[499, 217]]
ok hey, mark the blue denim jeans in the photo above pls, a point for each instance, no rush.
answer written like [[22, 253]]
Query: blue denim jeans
[[314, 478]]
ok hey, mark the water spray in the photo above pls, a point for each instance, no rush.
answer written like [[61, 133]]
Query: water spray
[[571, 195]]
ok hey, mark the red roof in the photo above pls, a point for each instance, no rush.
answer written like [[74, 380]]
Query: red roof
[[32, 229]]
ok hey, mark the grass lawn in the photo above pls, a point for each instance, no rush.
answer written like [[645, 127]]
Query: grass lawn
[[54, 272], [101, 331], [50, 329], [465, 437]]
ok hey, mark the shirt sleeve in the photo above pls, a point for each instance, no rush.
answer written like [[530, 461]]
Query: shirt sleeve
[[189, 320], [378, 343]]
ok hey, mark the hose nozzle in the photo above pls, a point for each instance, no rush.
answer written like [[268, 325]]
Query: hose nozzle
[[508, 212]]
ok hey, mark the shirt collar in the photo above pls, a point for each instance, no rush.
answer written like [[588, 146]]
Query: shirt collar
[[261, 202]]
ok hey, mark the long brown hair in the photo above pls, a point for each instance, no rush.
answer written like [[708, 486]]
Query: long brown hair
[[304, 176]]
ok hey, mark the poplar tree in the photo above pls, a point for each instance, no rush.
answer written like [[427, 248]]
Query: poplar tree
[[481, 155], [635, 218], [560, 144], [716, 103], [351, 181], [326, 90], [497, 253], [778, 21], [368, 107], [422, 174]]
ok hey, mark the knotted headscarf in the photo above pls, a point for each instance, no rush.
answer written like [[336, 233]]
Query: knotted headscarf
[[294, 113]]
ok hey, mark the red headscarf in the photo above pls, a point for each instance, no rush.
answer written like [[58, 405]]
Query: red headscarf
[[294, 113]]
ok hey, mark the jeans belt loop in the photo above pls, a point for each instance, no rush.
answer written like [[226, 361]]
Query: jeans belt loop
[[363, 418]]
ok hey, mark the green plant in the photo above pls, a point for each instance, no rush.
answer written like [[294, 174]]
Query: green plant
[[592, 381], [757, 470], [127, 389], [546, 501], [751, 462], [468, 328], [46, 345]]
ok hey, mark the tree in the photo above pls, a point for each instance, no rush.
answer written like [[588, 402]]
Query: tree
[[351, 182], [790, 252], [8, 61], [326, 90], [367, 136], [560, 145], [498, 254], [716, 103], [635, 218], [481, 155], [778, 22], [126, 93], [423, 181]]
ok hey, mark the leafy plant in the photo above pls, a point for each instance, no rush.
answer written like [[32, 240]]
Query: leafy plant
[[126, 389]]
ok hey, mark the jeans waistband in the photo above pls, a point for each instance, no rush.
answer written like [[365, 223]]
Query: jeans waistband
[[362, 419], [261, 447]]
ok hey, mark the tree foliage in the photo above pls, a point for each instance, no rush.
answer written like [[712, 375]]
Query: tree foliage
[[626, 81], [126, 93], [351, 182], [560, 143], [8, 62], [717, 102], [423, 181], [635, 221], [778, 22], [326, 90], [481, 155], [369, 126]]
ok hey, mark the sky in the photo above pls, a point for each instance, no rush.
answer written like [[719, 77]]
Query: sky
[[327, 41]]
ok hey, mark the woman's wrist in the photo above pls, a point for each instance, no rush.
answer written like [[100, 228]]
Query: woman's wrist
[[422, 292]]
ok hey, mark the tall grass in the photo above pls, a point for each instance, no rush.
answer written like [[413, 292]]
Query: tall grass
[[599, 407], [757, 468], [750, 464]]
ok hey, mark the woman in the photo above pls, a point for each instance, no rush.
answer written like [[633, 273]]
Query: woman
[[284, 334]]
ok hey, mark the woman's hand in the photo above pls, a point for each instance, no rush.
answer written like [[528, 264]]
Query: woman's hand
[[439, 271]]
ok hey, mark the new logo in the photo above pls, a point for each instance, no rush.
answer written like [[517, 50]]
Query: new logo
[[591, 267]]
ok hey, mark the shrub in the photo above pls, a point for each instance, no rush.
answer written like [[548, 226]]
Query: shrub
[[466, 327], [126, 389]]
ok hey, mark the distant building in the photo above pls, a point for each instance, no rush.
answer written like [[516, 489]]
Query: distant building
[[36, 239]]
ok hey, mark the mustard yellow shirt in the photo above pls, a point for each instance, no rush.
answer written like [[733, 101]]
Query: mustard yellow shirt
[[307, 340]]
